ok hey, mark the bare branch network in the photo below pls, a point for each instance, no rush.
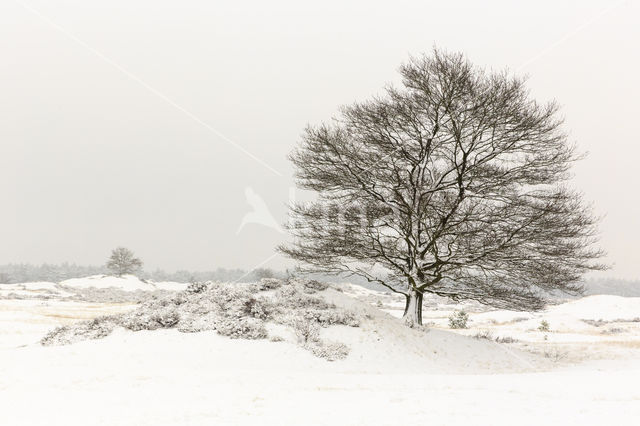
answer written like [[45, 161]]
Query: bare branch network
[[454, 184]]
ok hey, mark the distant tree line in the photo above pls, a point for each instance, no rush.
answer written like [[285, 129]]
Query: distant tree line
[[25, 272]]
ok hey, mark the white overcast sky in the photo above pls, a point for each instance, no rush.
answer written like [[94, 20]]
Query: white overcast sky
[[111, 112]]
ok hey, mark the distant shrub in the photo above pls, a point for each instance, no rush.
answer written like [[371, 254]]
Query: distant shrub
[[313, 286], [196, 287], [613, 330], [506, 339], [555, 355], [484, 334], [458, 319], [270, 283], [544, 326]]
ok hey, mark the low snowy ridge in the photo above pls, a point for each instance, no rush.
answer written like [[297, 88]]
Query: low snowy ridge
[[311, 315]]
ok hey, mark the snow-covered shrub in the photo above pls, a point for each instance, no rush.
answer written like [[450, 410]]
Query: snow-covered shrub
[[276, 339], [197, 323], [313, 286], [233, 310], [555, 355], [270, 283], [241, 328], [228, 299], [613, 330], [544, 326], [196, 287], [595, 323], [458, 319], [506, 339], [331, 317], [484, 334], [331, 351], [258, 307], [96, 328], [150, 319], [306, 330], [290, 297]]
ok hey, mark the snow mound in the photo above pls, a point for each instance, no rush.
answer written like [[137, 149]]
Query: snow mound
[[170, 285], [604, 307], [355, 335], [125, 282]]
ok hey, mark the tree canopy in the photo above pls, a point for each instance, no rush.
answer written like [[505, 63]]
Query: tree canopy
[[455, 183]]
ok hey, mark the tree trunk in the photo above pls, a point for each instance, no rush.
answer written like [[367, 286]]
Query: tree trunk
[[413, 308]]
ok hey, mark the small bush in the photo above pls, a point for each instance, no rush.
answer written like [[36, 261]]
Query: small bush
[[258, 308], [484, 334], [290, 297], [506, 339], [306, 331], [270, 283], [96, 328], [276, 339], [458, 319], [196, 287], [198, 323], [331, 317], [313, 286], [544, 326], [555, 355], [613, 330], [331, 351], [595, 323], [241, 328], [150, 319], [166, 318]]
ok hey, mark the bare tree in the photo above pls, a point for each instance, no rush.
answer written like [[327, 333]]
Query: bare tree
[[260, 273], [122, 261], [454, 184]]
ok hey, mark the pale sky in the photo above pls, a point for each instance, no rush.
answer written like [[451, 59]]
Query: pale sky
[[150, 124]]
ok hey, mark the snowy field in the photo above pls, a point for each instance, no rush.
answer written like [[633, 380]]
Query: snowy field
[[583, 370]]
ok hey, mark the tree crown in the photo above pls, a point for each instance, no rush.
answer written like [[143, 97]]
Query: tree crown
[[453, 184]]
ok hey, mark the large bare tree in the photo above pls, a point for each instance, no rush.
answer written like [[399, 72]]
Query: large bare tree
[[454, 184]]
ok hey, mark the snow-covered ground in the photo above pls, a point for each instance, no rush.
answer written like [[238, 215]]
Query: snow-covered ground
[[591, 328], [393, 375]]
